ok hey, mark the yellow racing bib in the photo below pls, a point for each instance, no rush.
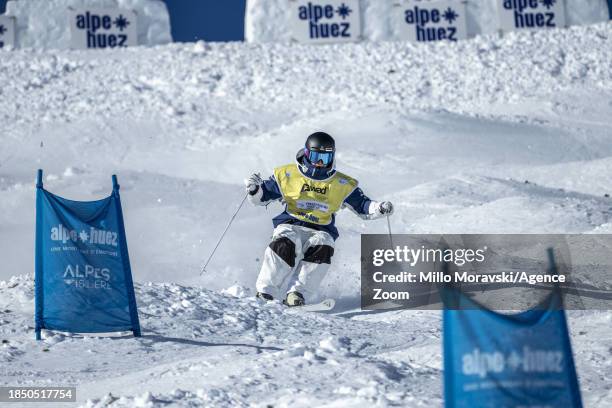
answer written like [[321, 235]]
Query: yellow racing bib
[[311, 200]]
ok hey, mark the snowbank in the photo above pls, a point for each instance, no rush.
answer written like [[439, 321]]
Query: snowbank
[[269, 20], [43, 24]]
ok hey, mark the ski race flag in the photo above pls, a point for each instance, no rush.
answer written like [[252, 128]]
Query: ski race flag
[[514, 360], [83, 277]]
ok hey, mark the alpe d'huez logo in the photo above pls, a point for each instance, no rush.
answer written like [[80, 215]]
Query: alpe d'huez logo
[[104, 30], [433, 24], [532, 13], [480, 363], [91, 236], [323, 20]]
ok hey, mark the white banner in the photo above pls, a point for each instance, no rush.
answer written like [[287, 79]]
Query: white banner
[[325, 21], [531, 14], [102, 28], [425, 21], [7, 31]]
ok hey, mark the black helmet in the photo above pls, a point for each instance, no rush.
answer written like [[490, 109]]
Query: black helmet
[[320, 149]]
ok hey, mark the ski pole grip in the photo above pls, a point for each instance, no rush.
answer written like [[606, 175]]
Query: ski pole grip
[[39, 179], [552, 264]]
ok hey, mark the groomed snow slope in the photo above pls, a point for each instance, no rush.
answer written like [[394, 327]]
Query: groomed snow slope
[[449, 132]]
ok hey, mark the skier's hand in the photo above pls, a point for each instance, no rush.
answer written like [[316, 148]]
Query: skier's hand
[[253, 183], [385, 208]]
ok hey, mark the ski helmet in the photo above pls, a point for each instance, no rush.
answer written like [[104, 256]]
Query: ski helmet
[[320, 149]]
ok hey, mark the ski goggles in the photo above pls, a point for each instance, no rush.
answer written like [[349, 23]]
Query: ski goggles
[[314, 157]]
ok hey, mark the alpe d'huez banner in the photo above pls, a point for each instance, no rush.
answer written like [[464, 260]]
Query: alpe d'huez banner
[[102, 28], [425, 21], [531, 14], [326, 21], [83, 276], [496, 360]]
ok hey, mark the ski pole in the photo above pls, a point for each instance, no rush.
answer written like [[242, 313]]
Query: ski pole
[[389, 228], [224, 232]]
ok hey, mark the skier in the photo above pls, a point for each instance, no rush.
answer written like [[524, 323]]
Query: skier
[[304, 234]]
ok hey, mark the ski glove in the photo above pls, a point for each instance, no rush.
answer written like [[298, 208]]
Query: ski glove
[[253, 183], [385, 208]]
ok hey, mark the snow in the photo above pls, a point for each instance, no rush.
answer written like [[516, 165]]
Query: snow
[[270, 20], [448, 132], [44, 24]]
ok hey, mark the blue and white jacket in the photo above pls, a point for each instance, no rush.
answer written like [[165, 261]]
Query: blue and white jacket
[[357, 201]]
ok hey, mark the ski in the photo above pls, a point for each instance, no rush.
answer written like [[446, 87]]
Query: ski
[[324, 306]]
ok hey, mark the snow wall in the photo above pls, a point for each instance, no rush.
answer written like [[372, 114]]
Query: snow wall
[[44, 23], [269, 20]]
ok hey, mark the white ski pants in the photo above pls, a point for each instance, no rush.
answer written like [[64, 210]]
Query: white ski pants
[[297, 257]]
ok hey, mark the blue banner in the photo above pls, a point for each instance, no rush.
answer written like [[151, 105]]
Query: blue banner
[[83, 276], [520, 360]]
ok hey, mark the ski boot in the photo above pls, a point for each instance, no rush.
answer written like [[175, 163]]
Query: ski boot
[[264, 296], [294, 299]]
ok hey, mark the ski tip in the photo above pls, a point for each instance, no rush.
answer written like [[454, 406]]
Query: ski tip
[[329, 303], [324, 306]]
